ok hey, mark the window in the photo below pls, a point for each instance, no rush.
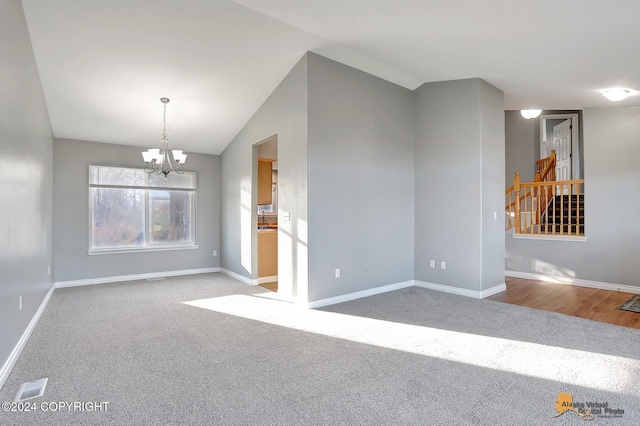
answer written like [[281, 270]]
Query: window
[[132, 210]]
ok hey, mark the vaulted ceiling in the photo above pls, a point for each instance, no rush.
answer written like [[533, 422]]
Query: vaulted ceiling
[[104, 64]]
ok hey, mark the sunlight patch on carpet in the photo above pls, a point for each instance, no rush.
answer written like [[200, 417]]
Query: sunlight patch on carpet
[[581, 368]]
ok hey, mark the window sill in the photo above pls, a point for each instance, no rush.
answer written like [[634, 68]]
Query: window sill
[[543, 237], [94, 252]]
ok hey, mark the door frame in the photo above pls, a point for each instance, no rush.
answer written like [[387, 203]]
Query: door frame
[[576, 165], [255, 278]]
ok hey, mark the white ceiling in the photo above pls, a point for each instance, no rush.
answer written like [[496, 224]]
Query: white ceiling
[[104, 64]]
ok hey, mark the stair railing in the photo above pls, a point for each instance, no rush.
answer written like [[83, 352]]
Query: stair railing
[[546, 173], [547, 167], [545, 206]]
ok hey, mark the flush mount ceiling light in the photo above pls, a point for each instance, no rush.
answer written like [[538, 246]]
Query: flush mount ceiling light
[[530, 113], [616, 95], [163, 161]]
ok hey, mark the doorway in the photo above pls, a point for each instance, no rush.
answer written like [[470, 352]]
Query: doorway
[[560, 132], [266, 211]]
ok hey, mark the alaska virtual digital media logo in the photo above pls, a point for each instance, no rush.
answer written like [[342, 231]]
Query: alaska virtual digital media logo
[[586, 410]]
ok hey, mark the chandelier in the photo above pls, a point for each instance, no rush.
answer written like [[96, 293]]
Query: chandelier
[[163, 161]]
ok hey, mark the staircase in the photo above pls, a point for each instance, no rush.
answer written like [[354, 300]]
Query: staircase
[[545, 206], [564, 215]]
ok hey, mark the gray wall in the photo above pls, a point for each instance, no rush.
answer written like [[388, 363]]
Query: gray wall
[[522, 144], [459, 182], [379, 167], [360, 180], [71, 214], [611, 142], [519, 147], [283, 114], [492, 146], [25, 181]]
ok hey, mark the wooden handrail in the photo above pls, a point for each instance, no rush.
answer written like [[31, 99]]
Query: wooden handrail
[[534, 208], [514, 205], [516, 190], [546, 173], [556, 183], [544, 162], [547, 168]]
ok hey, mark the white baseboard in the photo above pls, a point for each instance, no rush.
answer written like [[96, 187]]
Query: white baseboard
[[574, 281], [493, 290], [241, 278], [550, 237], [271, 279], [358, 294], [462, 291], [134, 277], [15, 353]]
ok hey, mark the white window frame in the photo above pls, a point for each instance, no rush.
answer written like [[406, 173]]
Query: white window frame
[[147, 247]]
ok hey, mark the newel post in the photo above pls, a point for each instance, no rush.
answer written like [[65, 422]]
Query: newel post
[[516, 190]]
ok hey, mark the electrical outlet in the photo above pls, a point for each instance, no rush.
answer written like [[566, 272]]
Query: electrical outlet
[[215, 253], [432, 263], [293, 274], [337, 273], [49, 270], [443, 265], [20, 299]]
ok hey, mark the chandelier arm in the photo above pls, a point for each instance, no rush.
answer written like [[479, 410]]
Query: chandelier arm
[[152, 165], [170, 164]]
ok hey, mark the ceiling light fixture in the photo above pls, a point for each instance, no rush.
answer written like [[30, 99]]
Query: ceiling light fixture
[[160, 161], [530, 113], [616, 95]]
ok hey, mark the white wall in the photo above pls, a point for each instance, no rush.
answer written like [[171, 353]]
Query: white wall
[[71, 215], [26, 146], [611, 141], [360, 180]]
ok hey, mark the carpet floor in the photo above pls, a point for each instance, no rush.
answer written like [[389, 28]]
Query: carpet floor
[[208, 350]]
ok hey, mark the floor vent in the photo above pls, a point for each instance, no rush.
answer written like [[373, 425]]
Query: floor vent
[[31, 390], [155, 279]]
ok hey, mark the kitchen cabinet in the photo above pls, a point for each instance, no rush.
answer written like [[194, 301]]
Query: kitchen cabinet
[[265, 193], [267, 253]]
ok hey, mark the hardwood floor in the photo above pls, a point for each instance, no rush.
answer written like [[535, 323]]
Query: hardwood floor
[[273, 286], [583, 302]]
